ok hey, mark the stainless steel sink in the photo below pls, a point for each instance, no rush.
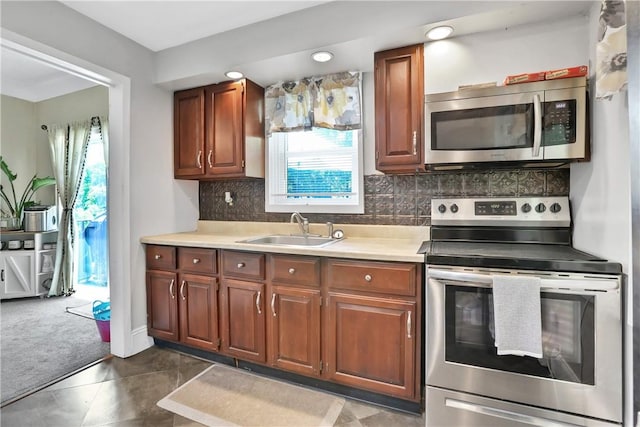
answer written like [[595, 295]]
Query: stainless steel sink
[[291, 240]]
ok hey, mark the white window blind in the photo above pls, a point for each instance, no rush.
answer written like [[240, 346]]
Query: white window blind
[[315, 171]]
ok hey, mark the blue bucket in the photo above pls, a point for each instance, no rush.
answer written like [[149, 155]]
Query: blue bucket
[[101, 310]]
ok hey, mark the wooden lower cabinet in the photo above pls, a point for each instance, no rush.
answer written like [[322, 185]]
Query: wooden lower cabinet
[[294, 329], [351, 322], [199, 311], [162, 305], [370, 343], [182, 295], [242, 319]]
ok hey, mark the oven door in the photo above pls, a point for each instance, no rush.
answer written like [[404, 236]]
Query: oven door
[[581, 368]]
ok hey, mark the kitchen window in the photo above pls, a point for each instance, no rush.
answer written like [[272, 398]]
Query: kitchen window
[[315, 171]]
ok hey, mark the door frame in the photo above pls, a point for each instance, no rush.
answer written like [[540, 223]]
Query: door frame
[[118, 205]]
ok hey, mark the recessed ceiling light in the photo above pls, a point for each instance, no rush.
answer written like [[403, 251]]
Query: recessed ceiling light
[[322, 56], [234, 74], [439, 33]]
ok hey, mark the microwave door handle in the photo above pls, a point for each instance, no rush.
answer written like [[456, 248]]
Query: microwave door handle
[[537, 125]]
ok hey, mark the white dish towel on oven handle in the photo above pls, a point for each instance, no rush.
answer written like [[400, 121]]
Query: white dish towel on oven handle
[[517, 315]]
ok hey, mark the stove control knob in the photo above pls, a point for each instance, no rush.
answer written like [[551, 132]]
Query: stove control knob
[[526, 208], [540, 207], [442, 208], [555, 208], [454, 208]]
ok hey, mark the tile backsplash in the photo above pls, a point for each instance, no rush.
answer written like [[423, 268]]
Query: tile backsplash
[[389, 199]]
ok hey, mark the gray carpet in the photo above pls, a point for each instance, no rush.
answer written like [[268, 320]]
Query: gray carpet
[[41, 342]]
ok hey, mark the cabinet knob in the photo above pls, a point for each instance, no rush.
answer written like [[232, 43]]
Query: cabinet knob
[[368, 277], [240, 264], [292, 270], [158, 256], [196, 260]]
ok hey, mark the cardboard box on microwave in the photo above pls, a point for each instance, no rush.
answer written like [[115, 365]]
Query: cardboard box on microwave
[[564, 73], [524, 78]]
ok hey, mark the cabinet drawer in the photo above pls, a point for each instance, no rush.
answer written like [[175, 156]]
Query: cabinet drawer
[[161, 257], [295, 270], [380, 277], [198, 260], [245, 265]]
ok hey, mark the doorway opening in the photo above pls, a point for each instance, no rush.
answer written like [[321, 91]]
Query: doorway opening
[[91, 280], [123, 341]]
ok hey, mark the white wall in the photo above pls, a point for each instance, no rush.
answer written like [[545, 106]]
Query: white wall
[[600, 189], [18, 146], [491, 56], [147, 149], [601, 196]]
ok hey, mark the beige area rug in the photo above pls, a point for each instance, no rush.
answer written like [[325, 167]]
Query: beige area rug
[[226, 396]]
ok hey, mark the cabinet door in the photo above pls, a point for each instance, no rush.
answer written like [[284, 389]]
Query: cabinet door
[[199, 311], [188, 133], [17, 275], [370, 343], [224, 129], [294, 333], [162, 305], [243, 319], [399, 94]]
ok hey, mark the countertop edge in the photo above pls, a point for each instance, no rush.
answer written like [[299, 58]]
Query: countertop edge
[[365, 248]]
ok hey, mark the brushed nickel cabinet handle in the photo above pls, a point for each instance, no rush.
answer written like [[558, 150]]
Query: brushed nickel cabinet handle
[[409, 325], [196, 260], [273, 304], [182, 290], [292, 271], [415, 143], [258, 297], [209, 158], [241, 265], [157, 256], [368, 277], [199, 159], [173, 296]]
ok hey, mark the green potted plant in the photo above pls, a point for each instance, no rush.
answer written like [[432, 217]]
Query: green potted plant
[[12, 212]]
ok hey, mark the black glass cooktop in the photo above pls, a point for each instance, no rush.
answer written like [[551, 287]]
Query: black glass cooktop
[[524, 256]]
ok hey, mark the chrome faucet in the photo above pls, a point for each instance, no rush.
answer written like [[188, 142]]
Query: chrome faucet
[[330, 229], [303, 222]]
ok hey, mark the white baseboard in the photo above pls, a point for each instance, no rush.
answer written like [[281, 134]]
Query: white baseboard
[[140, 340]]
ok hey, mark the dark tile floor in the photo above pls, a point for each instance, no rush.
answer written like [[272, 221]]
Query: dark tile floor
[[124, 392]]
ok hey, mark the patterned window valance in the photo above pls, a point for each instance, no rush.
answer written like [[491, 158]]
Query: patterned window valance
[[331, 101]]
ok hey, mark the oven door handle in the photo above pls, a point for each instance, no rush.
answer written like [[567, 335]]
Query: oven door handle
[[483, 279], [505, 414]]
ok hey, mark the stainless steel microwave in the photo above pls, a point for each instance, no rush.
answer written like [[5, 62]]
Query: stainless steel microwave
[[528, 124]]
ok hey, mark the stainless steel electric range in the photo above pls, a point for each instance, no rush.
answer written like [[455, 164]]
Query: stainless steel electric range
[[578, 379]]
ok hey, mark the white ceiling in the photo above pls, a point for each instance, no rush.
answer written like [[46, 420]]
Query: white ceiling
[[159, 25], [168, 25]]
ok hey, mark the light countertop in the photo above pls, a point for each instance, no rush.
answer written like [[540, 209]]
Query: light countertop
[[370, 242]]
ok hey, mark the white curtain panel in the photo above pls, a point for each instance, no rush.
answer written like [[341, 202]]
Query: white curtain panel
[[68, 145]]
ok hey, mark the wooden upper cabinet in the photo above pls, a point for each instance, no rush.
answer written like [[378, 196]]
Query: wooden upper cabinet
[[221, 135], [188, 133], [399, 95]]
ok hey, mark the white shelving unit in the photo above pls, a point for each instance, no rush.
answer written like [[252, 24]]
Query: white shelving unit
[[24, 272]]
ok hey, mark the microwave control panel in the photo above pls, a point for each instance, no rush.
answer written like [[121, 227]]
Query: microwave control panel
[[559, 122]]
